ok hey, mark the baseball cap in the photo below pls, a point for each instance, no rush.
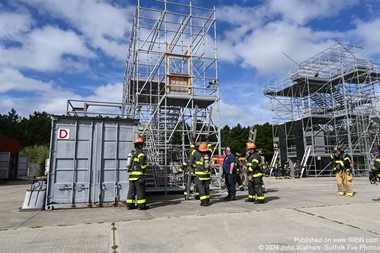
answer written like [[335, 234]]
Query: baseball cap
[[228, 148]]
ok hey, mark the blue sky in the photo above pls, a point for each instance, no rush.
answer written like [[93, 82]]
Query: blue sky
[[54, 50]]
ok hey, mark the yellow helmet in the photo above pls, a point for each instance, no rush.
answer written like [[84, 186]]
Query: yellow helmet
[[251, 145], [139, 140], [203, 147]]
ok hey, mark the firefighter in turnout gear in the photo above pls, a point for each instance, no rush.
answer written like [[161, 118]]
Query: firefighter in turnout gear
[[190, 177], [239, 172], [255, 175], [136, 169], [374, 174], [189, 182], [297, 169], [200, 161], [341, 166], [287, 169]]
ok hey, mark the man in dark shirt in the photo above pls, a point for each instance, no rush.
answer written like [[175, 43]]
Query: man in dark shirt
[[229, 172]]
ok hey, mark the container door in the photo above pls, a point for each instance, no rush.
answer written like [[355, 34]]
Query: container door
[[70, 164], [88, 162], [117, 141], [125, 144], [22, 167], [4, 165]]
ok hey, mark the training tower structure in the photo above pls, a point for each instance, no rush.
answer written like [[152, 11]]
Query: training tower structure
[[328, 100], [171, 84]]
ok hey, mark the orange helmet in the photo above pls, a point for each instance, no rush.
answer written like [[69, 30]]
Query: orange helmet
[[139, 140], [203, 147], [251, 145]]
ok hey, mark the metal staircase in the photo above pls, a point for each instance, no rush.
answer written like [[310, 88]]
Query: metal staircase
[[273, 162]]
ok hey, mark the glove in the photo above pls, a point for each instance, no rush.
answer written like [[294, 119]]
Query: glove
[[250, 177]]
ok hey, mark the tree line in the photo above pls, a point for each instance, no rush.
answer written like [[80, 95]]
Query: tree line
[[31, 131], [236, 138], [34, 134]]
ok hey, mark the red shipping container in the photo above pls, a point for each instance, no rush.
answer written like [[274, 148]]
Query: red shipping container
[[9, 145]]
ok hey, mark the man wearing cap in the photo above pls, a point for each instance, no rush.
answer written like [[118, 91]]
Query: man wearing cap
[[229, 172]]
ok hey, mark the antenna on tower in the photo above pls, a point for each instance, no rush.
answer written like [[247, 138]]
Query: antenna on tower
[[291, 59]]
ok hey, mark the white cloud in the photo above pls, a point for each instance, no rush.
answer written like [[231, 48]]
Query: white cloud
[[271, 37], [47, 96], [105, 26], [265, 49], [244, 103], [13, 25], [11, 79], [369, 33], [245, 115], [45, 49], [302, 11], [109, 93]]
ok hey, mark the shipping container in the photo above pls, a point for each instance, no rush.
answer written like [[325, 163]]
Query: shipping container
[[4, 165], [22, 168], [8, 165], [9, 145], [87, 162]]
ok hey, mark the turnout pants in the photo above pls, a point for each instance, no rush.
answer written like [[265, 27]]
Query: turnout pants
[[344, 183], [255, 189], [203, 187], [136, 193], [239, 180], [188, 186]]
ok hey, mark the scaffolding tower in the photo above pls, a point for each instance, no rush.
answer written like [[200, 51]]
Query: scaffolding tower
[[171, 85], [328, 100]]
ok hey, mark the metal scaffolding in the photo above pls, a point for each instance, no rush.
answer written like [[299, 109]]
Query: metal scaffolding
[[171, 84], [329, 99]]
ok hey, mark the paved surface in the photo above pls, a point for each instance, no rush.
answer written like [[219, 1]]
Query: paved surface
[[301, 215]]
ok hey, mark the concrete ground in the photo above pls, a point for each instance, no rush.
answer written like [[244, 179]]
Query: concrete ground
[[300, 215]]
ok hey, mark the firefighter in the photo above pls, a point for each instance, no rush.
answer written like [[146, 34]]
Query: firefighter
[[374, 174], [189, 182], [189, 172], [263, 165], [297, 169], [276, 146], [255, 175], [277, 169], [342, 168], [287, 169], [137, 170], [239, 172], [209, 149], [200, 161]]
